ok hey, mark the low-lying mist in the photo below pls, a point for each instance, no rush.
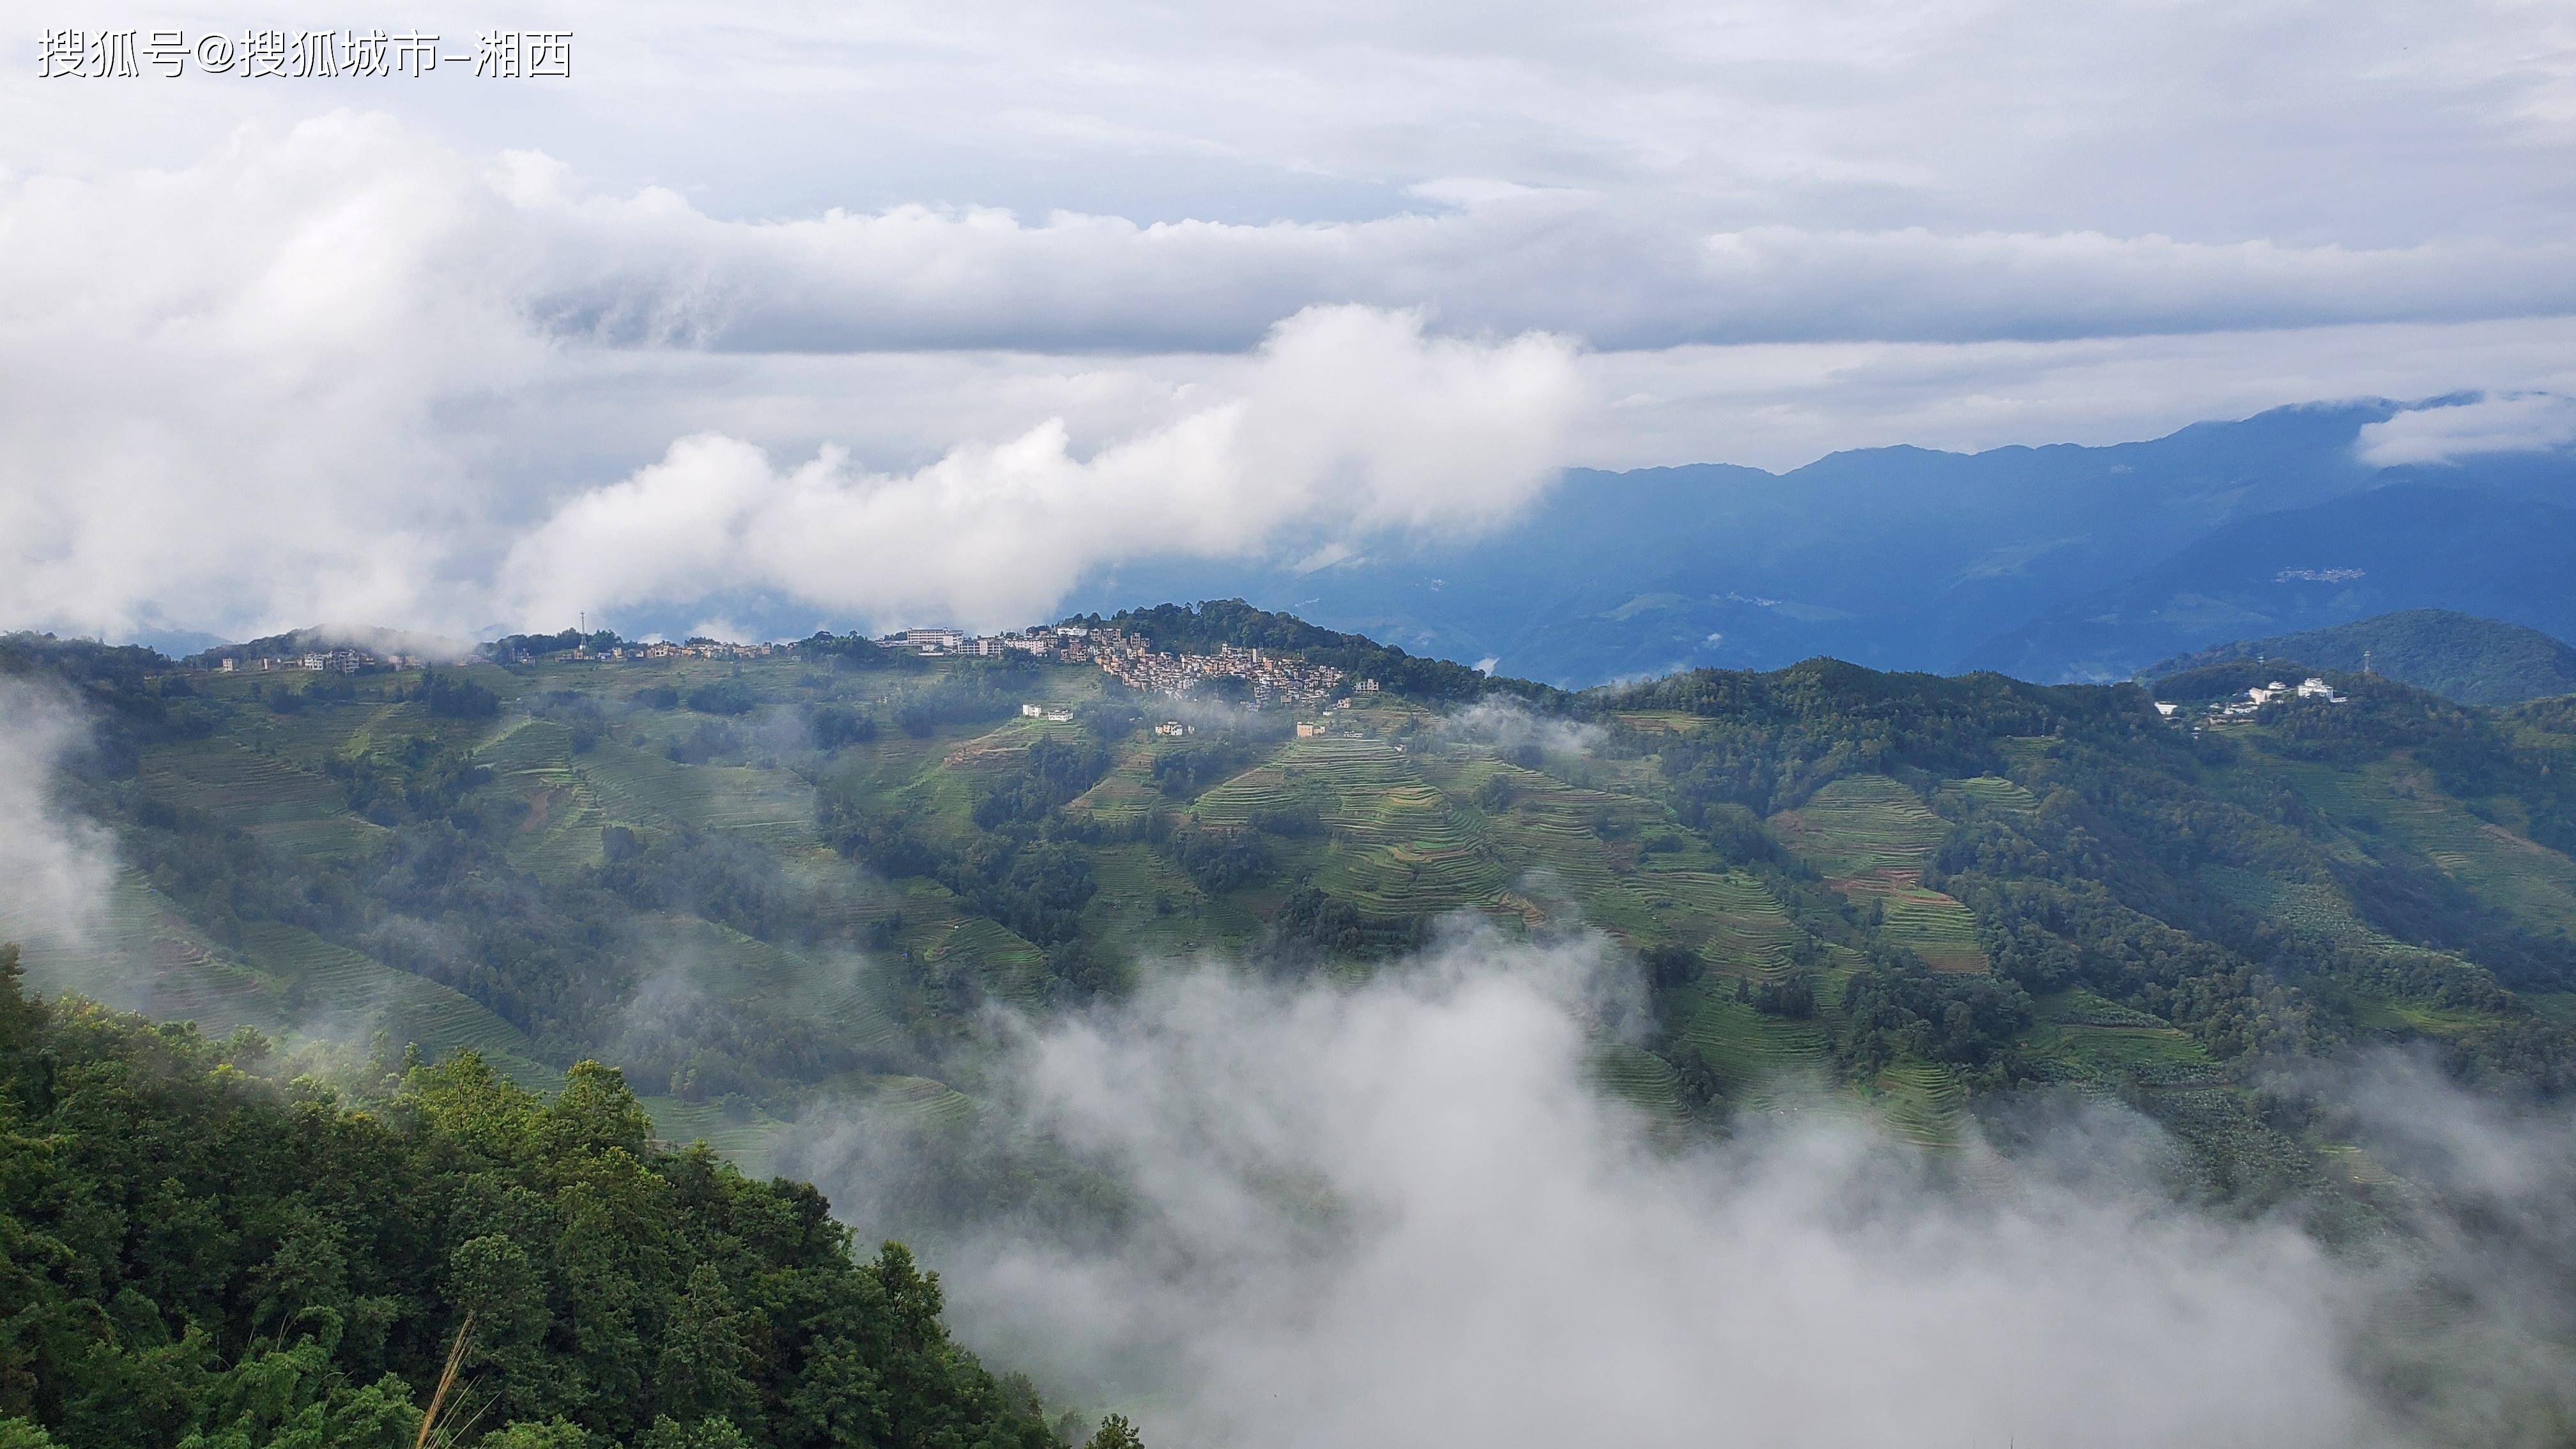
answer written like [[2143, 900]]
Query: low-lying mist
[[1255, 1213], [55, 865]]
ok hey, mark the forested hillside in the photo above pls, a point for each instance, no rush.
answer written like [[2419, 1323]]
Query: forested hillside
[[759, 885], [206, 1250], [2458, 656]]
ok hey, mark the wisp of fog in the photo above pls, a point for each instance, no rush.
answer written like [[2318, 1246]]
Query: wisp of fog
[[1403, 1212], [55, 865]]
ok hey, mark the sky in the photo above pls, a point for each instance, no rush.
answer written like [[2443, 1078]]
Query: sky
[[900, 311]]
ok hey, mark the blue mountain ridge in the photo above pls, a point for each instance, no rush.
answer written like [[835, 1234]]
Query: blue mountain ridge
[[1908, 558]]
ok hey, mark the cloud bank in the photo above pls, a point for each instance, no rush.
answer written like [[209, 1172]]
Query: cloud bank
[[2499, 423], [1399, 1212], [1350, 419], [344, 369]]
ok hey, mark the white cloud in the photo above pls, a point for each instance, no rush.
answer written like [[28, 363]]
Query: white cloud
[[1507, 724], [1398, 1212], [227, 382], [2497, 423], [650, 268], [1348, 419], [333, 368]]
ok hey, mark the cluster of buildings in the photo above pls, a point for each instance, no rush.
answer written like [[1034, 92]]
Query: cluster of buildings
[[1274, 680], [703, 649], [340, 661], [1133, 662], [1059, 641], [2312, 687], [619, 653]]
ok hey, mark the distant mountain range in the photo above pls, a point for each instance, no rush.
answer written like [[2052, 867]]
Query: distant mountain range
[[2458, 656], [2055, 563]]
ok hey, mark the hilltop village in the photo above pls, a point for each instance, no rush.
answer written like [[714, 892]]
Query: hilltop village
[[2251, 702], [1268, 679]]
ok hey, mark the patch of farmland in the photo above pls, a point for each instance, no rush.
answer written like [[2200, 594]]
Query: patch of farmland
[[1128, 791], [1922, 1102], [2324, 912], [836, 990], [2086, 1039], [920, 1102], [559, 836], [1411, 877], [1263, 788], [140, 954], [1730, 919], [937, 930], [2512, 873], [237, 786], [521, 745], [1561, 829], [745, 1138], [1863, 825], [1757, 1057], [1661, 721], [1994, 792], [1871, 838], [1642, 1080], [331, 990], [773, 807]]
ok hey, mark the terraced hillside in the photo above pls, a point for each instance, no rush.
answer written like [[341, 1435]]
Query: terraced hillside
[[758, 883], [1871, 838]]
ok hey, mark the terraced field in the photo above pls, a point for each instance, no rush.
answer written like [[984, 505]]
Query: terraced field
[[1642, 1080], [1994, 792], [1870, 837], [283, 804], [771, 807], [921, 1102], [726, 964], [1754, 1055], [2531, 881], [1267, 787], [2085, 1040], [335, 991], [1734, 923], [136, 952], [1128, 791], [560, 837], [936, 928], [1862, 825], [747, 1140], [1921, 1102]]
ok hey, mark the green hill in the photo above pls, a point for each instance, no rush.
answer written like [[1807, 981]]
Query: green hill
[[1883, 886], [301, 1270], [2457, 656]]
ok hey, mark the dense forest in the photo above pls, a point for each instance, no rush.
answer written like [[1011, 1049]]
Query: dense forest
[[207, 1247]]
